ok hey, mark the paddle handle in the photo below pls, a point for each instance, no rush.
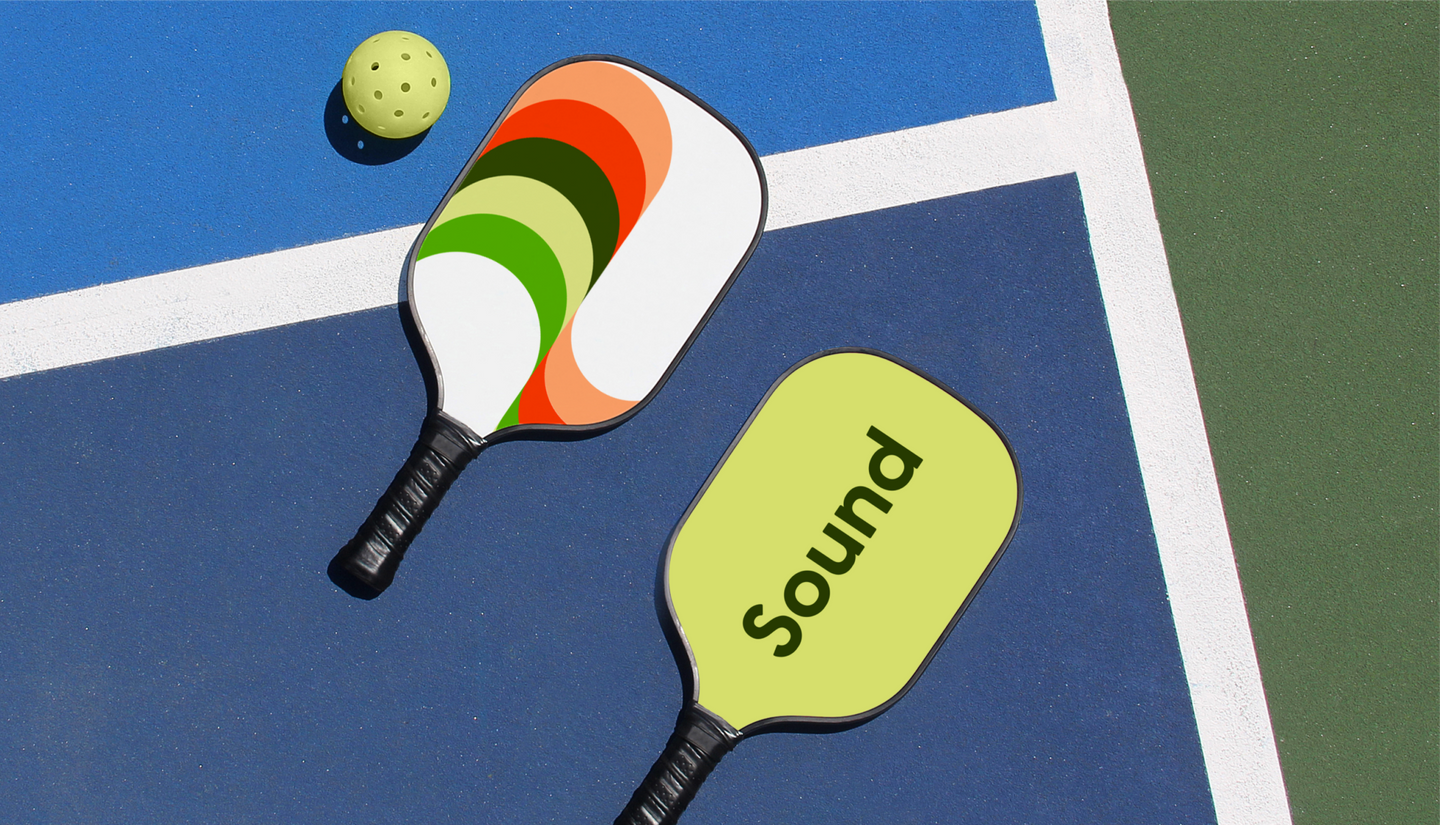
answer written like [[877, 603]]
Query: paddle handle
[[700, 740], [372, 557]]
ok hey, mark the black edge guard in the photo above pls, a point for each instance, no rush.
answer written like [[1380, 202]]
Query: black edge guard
[[700, 740], [372, 557]]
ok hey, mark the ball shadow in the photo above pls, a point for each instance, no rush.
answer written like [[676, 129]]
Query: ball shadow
[[354, 143]]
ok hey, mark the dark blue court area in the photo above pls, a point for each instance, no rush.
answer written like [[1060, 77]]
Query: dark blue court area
[[173, 652]]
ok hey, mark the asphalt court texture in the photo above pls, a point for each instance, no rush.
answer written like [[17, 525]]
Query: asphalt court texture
[[150, 138], [176, 652], [518, 669]]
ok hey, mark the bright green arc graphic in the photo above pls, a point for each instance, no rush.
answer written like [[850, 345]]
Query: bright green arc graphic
[[517, 248], [749, 540], [541, 208]]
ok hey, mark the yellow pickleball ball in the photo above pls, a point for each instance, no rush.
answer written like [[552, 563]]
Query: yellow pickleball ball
[[396, 84]]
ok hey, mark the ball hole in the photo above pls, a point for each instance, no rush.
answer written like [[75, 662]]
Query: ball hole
[[399, 113], [352, 80], [375, 67], [432, 81], [428, 54], [425, 116], [404, 55], [378, 95], [361, 107], [404, 87]]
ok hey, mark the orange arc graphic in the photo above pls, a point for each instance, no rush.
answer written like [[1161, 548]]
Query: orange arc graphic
[[597, 134], [627, 99], [572, 397], [534, 403]]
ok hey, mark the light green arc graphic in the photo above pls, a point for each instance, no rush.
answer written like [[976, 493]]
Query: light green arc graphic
[[837, 424], [542, 209]]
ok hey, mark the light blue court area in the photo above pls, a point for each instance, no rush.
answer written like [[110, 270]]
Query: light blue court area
[[142, 138]]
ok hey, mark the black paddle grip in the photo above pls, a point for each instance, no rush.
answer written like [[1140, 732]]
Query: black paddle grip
[[700, 740], [372, 557]]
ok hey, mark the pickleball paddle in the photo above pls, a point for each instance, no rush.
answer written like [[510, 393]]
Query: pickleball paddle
[[563, 276], [826, 558]]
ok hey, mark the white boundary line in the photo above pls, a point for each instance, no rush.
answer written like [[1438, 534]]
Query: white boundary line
[[1180, 484], [203, 302], [1090, 130], [332, 278]]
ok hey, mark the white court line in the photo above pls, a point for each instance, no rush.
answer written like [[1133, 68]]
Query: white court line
[[203, 302], [1180, 485], [363, 272], [1090, 131]]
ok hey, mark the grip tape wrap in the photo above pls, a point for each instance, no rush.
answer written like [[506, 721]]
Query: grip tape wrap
[[699, 742], [440, 454]]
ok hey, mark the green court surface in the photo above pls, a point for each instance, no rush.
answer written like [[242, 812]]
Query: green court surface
[[1292, 152]]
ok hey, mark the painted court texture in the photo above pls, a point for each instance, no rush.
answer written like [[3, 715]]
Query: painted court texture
[[184, 453]]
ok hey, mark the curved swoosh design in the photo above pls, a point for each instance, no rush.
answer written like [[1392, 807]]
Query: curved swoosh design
[[622, 207]]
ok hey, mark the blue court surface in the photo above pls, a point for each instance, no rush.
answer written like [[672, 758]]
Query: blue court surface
[[146, 138], [177, 649], [171, 649]]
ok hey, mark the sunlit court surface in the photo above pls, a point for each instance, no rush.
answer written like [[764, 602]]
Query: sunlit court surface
[[206, 381]]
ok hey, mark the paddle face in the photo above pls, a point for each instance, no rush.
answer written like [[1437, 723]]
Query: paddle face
[[581, 249], [837, 542]]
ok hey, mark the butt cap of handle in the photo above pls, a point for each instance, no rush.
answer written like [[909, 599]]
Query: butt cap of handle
[[366, 565]]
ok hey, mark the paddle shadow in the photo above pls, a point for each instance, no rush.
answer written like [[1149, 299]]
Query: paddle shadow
[[670, 627]]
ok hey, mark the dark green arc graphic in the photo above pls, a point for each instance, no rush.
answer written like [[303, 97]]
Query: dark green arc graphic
[[516, 247], [570, 172]]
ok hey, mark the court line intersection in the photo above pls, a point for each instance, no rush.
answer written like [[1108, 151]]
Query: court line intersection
[[1089, 131]]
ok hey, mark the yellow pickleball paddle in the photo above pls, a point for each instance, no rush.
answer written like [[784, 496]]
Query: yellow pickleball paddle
[[826, 559]]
